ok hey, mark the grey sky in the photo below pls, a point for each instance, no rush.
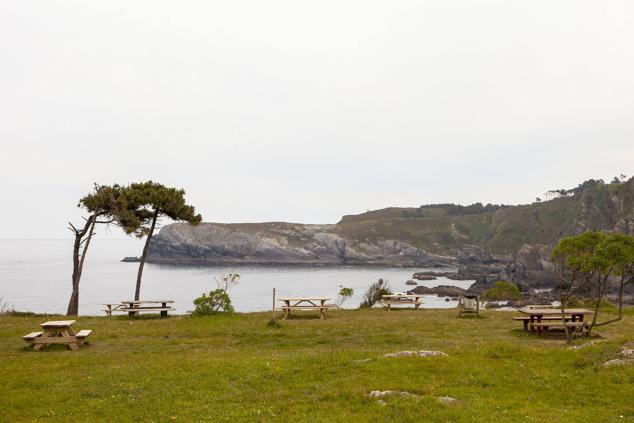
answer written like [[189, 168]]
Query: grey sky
[[305, 111]]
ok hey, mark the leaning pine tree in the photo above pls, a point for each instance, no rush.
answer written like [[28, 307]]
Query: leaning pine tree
[[152, 201], [106, 204]]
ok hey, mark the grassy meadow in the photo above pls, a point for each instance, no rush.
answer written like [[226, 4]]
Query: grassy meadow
[[236, 368]]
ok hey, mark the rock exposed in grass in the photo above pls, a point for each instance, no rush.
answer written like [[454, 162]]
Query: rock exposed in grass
[[421, 353], [627, 351], [581, 346], [446, 400], [616, 362], [384, 394]]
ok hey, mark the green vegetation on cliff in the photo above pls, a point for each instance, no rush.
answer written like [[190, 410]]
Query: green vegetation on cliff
[[445, 227]]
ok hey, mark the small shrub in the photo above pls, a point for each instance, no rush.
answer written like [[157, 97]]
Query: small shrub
[[217, 302], [375, 293], [502, 291], [5, 308], [344, 294]]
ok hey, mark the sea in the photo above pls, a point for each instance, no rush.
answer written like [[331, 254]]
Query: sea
[[35, 276]]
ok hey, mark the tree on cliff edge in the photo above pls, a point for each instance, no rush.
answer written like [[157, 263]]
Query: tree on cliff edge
[[152, 201]]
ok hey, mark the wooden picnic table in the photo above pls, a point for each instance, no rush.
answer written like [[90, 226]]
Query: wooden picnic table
[[401, 299], [57, 332], [304, 304], [536, 315], [133, 307]]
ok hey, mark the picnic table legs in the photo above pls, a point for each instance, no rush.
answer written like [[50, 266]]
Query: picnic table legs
[[164, 312], [57, 336], [286, 309], [132, 313]]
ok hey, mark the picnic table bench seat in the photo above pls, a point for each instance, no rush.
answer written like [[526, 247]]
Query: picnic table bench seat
[[306, 307], [526, 319], [32, 336], [84, 333], [577, 327]]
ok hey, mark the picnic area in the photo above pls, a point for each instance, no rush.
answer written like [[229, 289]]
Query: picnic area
[[236, 368]]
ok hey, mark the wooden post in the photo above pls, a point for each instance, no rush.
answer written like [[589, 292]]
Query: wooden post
[[273, 309]]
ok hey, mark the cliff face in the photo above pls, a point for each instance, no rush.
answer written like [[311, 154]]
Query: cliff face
[[511, 243], [281, 243]]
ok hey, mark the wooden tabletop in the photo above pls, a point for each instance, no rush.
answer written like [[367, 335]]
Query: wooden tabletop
[[402, 296], [146, 301], [305, 299], [58, 324], [553, 311]]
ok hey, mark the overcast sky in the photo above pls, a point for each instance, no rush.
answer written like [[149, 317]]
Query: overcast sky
[[306, 111]]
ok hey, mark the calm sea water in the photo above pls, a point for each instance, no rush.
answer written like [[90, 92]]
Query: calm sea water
[[35, 276]]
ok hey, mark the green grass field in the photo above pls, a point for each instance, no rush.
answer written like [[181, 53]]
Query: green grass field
[[236, 368]]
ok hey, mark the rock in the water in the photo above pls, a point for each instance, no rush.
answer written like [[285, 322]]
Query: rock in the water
[[421, 353], [410, 282], [441, 291], [131, 260]]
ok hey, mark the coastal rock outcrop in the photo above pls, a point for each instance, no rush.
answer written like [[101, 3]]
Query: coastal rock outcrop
[[281, 243]]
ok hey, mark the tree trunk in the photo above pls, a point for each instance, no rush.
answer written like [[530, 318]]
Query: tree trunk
[[137, 292], [73, 303]]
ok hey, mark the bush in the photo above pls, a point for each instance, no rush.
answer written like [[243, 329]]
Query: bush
[[502, 291], [344, 294], [5, 308], [375, 293], [217, 302]]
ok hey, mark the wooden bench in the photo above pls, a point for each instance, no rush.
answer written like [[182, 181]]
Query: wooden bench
[[134, 307], [134, 310], [31, 336], [526, 319], [577, 327]]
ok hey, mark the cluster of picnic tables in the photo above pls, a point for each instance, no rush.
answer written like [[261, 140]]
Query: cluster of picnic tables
[[62, 331], [536, 319]]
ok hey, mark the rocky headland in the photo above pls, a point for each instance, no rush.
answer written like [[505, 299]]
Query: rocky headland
[[482, 243]]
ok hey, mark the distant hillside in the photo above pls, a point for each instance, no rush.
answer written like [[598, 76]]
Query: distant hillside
[[511, 241], [507, 228]]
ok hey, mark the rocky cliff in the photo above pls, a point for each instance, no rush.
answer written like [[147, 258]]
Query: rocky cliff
[[282, 243], [511, 243]]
